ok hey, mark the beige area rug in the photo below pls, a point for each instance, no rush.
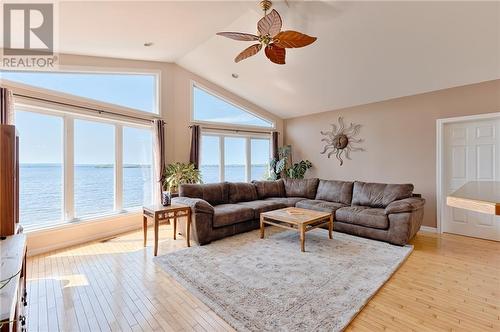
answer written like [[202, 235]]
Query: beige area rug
[[270, 285]]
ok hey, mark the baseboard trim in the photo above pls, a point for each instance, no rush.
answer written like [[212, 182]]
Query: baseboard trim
[[428, 229], [66, 244]]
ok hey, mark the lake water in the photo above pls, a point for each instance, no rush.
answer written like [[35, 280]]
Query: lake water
[[41, 189]]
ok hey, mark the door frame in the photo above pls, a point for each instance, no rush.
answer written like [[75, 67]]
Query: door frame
[[440, 123]]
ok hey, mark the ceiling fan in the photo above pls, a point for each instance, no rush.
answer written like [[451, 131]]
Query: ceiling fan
[[270, 36]]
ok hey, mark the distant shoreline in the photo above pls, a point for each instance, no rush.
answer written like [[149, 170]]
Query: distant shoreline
[[85, 165], [124, 166]]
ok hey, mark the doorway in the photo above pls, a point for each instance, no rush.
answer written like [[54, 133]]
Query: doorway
[[468, 150]]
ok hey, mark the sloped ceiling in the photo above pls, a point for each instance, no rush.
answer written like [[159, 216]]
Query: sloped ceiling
[[365, 52]]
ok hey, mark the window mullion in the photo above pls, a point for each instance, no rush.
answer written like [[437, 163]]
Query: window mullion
[[248, 160], [69, 169], [221, 159], [118, 167]]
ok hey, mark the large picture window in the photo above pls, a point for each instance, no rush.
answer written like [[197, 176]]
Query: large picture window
[[137, 167], [241, 158], [235, 159], [41, 168], [210, 158], [74, 168], [260, 154], [94, 169]]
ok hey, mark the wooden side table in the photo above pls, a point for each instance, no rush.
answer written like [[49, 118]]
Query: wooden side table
[[159, 213]]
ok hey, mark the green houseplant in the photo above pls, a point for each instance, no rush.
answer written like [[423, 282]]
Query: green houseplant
[[298, 170], [180, 173], [283, 167]]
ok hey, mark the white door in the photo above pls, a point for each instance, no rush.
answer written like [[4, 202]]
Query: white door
[[471, 153]]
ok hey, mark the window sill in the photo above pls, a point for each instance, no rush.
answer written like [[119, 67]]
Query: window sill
[[35, 229]]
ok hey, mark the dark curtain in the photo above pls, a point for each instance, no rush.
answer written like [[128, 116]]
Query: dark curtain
[[6, 107], [194, 154], [159, 157], [274, 144]]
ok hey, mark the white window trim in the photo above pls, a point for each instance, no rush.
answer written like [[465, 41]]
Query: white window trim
[[248, 150], [68, 208], [77, 100], [194, 84]]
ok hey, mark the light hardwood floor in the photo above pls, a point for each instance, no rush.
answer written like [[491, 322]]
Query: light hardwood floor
[[449, 283]]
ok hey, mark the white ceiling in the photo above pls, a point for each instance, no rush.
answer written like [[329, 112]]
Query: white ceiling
[[365, 52]]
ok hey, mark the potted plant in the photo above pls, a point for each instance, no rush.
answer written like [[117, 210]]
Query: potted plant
[[177, 174], [283, 167]]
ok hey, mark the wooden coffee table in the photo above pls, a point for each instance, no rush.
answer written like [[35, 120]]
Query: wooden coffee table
[[301, 220]]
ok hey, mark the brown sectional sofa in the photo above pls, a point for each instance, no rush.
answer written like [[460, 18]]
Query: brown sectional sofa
[[386, 212]]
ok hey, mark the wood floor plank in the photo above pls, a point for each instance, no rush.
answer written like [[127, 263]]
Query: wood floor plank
[[448, 283]]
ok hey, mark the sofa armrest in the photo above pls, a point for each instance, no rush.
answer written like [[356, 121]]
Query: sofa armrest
[[405, 205], [202, 215], [197, 205]]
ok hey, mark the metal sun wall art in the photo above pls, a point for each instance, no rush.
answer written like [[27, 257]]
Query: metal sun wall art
[[341, 140]]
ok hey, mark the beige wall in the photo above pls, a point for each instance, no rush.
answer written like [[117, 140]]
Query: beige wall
[[399, 134], [175, 109]]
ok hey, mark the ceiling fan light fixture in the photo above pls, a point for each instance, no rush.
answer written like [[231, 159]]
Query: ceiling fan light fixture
[[270, 36]]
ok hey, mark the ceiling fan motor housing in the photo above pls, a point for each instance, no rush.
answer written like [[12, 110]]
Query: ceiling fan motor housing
[[266, 5]]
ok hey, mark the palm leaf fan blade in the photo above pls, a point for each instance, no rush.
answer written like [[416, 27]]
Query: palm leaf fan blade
[[275, 54], [292, 39], [248, 52], [238, 36], [270, 24]]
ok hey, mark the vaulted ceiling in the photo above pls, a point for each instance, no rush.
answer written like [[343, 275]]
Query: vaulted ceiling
[[365, 52]]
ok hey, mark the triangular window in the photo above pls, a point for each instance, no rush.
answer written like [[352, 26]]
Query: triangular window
[[210, 108]]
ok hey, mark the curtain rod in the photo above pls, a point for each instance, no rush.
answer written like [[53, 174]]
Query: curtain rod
[[236, 130], [82, 107]]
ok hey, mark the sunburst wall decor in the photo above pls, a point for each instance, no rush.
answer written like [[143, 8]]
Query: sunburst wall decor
[[340, 140]]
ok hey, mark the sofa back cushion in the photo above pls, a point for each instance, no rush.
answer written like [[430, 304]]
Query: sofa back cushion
[[266, 189], [213, 193], [379, 195], [301, 187], [241, 192], [335, 191]]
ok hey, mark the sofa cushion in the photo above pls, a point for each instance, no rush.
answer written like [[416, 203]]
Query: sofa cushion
[[262, 206], [335, 191], [363, 216], [213, 193], [267, 189], [230, 214], [319, 205], [287, 201], [379, 195], [241, 192], [301, 187]]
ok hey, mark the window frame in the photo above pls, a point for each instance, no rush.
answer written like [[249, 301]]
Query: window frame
[[194, 84], [248, 149], [68, 172], [83, 101]]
